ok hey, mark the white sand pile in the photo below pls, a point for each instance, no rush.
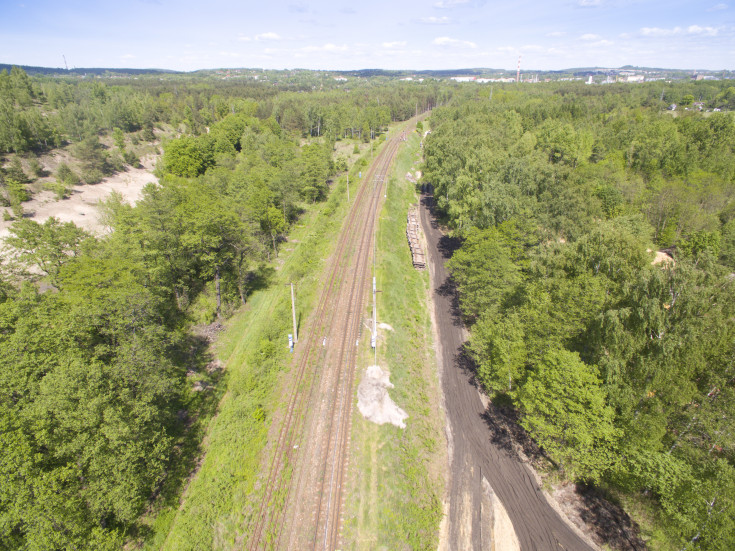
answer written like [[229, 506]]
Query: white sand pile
[[373, 400], [385, 326]]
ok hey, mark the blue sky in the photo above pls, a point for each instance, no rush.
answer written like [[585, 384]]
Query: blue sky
[[397, 34]]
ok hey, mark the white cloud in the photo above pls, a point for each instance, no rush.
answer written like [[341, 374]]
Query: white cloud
[[556, 34], [656, 31], [446, 4], [267, 36], [590, 36], [718, 7], [243, 38], [393, 44], [127, 56], [229, 54], [435, 20], [446, 41], [707, 31], [692, 29], [329, 47], [590, 3], [602, 43]]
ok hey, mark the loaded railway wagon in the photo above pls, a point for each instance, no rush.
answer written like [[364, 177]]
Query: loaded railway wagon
[[412, 233]]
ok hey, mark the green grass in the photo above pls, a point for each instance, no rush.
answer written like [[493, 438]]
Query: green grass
[[397, 475], [223, 496]]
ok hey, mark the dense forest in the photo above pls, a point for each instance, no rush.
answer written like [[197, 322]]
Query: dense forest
[[96, 331], [595, 271]]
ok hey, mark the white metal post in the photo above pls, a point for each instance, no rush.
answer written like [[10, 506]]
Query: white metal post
[[293, 312]]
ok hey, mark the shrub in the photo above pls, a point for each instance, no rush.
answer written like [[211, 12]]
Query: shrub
[[340, 164], [58, 187], [36, 168], [66, 175], [130, 158], [92, 176]]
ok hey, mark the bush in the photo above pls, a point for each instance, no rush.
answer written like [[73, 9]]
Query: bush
[[115, 164], [147, 134], [92, 176], [36, 168], [15, 171], [58, 187], [66, 175], [356, 150], [130, 158], [340, 164], [17, 191]]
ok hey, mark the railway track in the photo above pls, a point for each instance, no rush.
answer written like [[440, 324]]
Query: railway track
[[302, 501]]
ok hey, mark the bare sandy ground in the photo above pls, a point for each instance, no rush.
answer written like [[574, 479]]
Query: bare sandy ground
[[81, 206]]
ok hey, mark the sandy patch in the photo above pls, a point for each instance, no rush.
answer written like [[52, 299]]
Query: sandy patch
[[81, 206], [373, 400], [661, 257], [494, 516], [385, 326]]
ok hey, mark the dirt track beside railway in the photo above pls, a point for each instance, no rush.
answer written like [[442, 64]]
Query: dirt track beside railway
[[478, 450]]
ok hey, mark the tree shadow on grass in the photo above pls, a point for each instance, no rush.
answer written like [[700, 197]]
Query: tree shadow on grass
[[259, 278], [206, 382]]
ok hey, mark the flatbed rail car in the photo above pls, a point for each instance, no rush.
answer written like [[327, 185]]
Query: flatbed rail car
[[412, 234]]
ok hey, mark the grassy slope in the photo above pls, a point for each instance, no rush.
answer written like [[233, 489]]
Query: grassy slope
[[397, 475], [218, 504]]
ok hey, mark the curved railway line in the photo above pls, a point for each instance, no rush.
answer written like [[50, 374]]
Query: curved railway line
[[302, 510]]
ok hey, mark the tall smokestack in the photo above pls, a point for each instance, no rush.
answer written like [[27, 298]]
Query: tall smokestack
[[518, 73]]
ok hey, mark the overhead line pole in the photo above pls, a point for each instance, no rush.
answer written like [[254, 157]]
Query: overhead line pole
[[293, 312]]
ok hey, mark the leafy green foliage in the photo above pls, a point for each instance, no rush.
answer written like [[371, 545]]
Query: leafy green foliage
[[565, 410], [46, 246], [621, 368]]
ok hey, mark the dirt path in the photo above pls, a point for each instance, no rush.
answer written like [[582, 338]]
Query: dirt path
[[484, 468], [81, 206]]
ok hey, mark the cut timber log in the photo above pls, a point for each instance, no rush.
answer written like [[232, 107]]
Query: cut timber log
[[412, 234]]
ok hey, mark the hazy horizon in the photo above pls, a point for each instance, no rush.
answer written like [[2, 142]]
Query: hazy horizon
[[412, 36]]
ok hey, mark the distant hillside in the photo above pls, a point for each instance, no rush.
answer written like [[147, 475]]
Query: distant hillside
[[31, 70], [576, 72]]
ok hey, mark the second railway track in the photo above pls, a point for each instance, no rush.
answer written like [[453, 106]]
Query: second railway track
[[303, 511]]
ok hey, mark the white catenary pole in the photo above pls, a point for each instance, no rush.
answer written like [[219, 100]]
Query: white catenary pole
[[293, 312]]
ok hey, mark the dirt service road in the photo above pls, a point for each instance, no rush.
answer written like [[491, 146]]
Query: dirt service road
[[476, 452]]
